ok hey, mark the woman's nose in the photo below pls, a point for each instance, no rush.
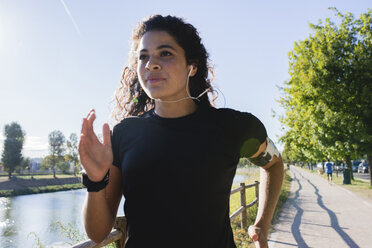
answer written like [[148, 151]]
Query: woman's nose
[[152, 65]]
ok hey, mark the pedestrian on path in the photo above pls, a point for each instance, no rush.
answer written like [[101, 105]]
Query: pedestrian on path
[[173, 155], [329, 171]]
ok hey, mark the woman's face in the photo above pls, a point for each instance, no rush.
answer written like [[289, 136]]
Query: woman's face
[[162, 68]]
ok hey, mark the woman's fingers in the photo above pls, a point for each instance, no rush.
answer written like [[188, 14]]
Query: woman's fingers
[[253, 233], [106, 135], [91, 117], [94, 155], [89, 113], [257, 235]]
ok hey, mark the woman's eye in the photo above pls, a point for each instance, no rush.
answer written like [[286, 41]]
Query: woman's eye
[[142, 57], [165, 53]]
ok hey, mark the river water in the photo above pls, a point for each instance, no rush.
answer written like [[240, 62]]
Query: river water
[[23, 216], [26, 219]]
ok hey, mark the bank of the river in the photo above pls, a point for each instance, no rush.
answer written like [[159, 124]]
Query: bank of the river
[[25, 186]]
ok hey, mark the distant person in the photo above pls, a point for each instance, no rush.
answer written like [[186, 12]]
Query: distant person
[[329, 171], [173, 155]]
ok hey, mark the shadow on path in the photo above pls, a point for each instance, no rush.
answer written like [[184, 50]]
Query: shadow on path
[[295, 228], [334, 221]]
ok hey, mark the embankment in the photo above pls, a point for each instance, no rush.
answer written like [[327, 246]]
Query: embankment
[[19, 186]]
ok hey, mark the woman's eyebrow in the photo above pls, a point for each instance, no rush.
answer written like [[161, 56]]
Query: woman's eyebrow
[[166, 46], [159, 47]]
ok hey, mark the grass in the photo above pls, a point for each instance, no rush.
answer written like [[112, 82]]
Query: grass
[[284, 194], [360, 187], [242, 240], [50, 176], [36, 190]]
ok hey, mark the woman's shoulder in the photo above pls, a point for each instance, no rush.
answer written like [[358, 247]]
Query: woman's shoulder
[[128, 123], [233, 114]]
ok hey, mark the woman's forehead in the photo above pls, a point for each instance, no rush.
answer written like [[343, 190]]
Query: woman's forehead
[[152, 40]]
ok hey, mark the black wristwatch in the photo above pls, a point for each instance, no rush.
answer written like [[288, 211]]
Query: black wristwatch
[[95, 186]]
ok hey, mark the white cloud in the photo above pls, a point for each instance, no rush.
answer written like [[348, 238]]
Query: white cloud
[[35, 147], [36, 143]]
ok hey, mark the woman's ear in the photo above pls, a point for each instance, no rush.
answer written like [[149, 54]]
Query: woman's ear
[[192, 70]]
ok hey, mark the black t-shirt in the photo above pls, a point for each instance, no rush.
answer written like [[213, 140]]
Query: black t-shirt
[[177, 175]]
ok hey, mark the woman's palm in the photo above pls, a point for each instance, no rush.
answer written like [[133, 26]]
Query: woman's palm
[[96, 157]]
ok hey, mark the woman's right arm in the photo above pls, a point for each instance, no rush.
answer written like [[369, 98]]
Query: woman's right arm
[[100, 208]]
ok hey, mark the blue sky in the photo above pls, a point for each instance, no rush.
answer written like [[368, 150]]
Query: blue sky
[[60, 58]]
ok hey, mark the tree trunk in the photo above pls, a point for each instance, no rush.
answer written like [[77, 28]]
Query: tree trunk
[[350, 166], [54, 172], [10, 174], [369, 159]]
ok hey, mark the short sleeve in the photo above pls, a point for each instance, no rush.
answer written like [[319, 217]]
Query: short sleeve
[[252, 133]]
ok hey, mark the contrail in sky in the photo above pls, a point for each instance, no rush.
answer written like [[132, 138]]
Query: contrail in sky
[[72, 19]]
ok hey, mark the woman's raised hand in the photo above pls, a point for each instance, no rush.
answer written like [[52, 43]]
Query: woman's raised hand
[[96, 157]]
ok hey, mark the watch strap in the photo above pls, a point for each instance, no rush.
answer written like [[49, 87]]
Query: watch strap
[[95, 186]]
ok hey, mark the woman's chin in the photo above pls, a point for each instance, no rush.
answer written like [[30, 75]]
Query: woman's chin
[[162, 96]]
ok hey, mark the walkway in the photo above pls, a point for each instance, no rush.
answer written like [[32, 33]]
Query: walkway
[[318, 214]]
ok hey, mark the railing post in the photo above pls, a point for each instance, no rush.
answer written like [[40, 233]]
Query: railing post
[[243, 203], [121, 225], [256, 191]]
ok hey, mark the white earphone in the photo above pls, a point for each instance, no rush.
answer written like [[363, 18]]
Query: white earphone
[[191, 70]]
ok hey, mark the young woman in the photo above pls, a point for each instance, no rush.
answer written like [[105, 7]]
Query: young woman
[[173, 155]]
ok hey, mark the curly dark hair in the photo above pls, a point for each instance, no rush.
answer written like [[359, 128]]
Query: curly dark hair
[[131, 99]]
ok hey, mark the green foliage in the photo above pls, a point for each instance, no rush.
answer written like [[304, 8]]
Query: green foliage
[[37, 241], [73, 154], [47, 162], [241, 238], [244, 163], [36, 190], [25, 164], [70, 232], [56, 148], [283, 196], [63, 166], [13, 144], [328, 99]]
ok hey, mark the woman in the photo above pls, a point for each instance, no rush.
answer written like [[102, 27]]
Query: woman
[[173, 156]]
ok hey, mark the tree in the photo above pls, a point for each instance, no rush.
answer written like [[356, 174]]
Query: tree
[[328, 97], [26, 163], [47, 162], [63, 166], [72, 156], [56, 148], [13, 144]]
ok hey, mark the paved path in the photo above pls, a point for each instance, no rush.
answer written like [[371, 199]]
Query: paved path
[[318, 214]]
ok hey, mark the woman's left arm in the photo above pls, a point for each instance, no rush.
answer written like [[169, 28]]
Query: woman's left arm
[[271, 179]]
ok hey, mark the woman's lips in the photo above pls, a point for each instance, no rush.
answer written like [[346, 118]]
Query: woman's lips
[[154, 80]]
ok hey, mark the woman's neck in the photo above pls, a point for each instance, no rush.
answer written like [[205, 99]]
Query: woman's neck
[[174, 110]]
